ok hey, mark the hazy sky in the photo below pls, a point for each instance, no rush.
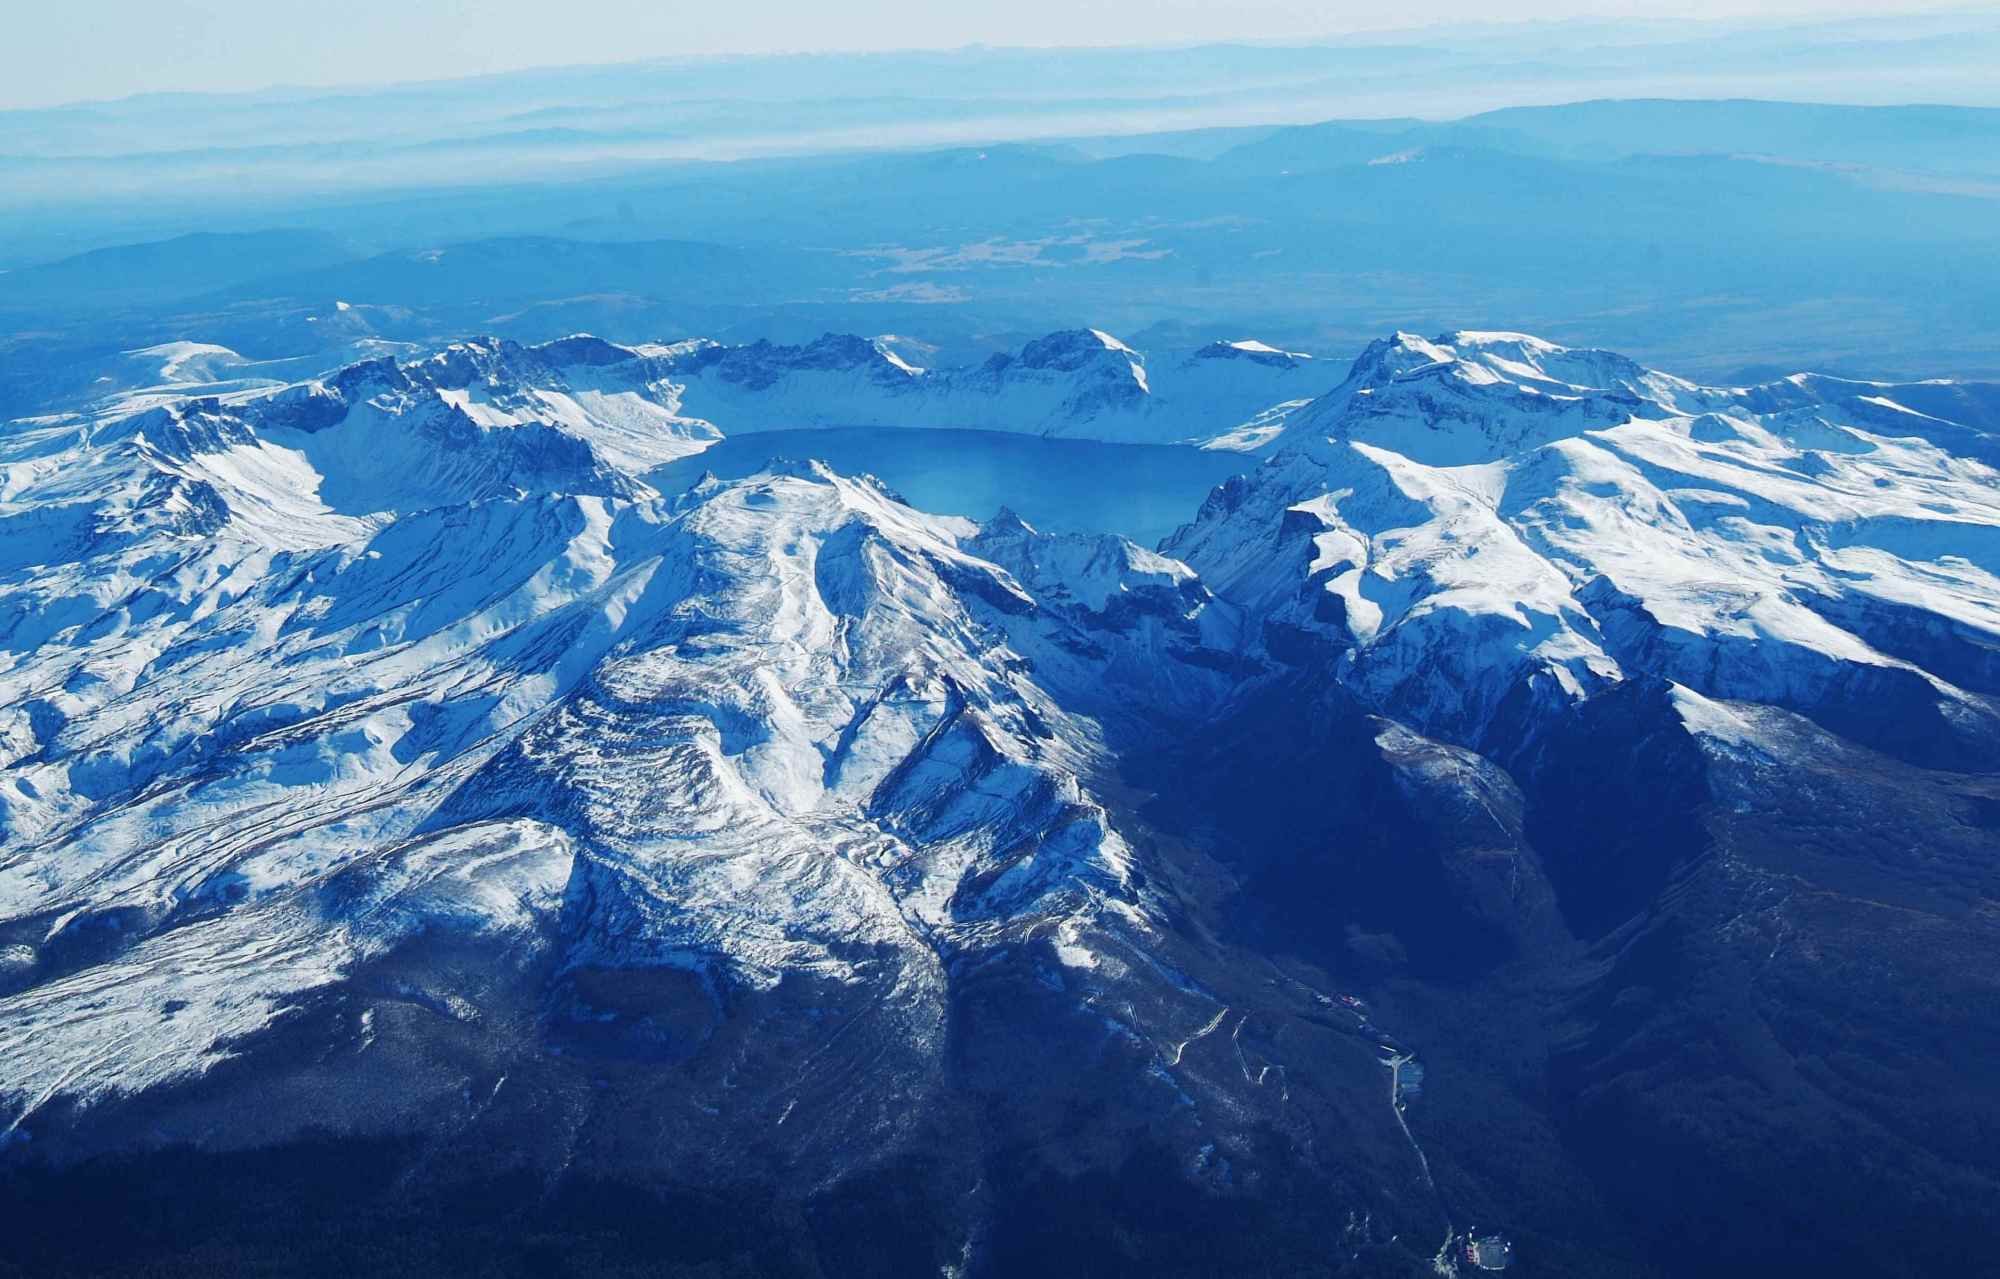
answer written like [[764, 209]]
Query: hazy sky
[[90, 49]]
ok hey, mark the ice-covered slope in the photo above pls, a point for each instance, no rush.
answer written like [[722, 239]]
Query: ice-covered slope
[[1484, 527], [302, 461], [290, 682]]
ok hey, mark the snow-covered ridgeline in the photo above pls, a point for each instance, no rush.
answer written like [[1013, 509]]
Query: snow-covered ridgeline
[[1080, 383], [783, 725], [1479, 526], [289, 675]]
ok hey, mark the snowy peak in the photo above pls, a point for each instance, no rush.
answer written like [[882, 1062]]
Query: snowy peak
[[473, 421], [1472, 397], [1534, 361], [1469, 397], [1385, 359], [1476, 529], [1073, 349], [1251, 351], [763, 365], [182, 364], [1100, 373], [1487, 358]]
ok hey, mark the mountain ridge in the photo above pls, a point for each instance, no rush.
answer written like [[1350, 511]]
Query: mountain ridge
[[387, 749]]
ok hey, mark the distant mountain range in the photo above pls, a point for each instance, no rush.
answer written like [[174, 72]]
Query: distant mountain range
[[1733, 240]]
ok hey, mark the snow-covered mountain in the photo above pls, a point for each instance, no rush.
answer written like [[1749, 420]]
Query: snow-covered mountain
[[1080, 383], [303, 689], [385, 753], [541, 696], [670, 399], [1486, 527], [1711, 668]]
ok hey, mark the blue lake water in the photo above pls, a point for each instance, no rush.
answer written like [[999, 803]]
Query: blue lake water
[[1143, 491]]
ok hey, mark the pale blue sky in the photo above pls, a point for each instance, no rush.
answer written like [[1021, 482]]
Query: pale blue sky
[[92, 49]]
